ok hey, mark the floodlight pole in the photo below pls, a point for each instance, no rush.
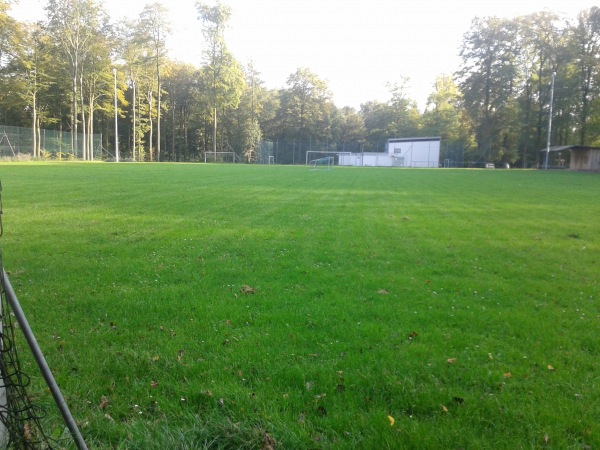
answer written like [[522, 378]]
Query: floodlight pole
[[215, 135], [549, 121], [116, 123]]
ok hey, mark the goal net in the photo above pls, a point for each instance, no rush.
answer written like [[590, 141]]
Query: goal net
[[25, 423], [336, 158], [220, 157], [321, 163]]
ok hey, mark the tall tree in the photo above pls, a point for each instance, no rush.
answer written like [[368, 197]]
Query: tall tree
[[246, 132], [406, 114], [446, 117], [539, 37], [154, 27], [586, 43], [34, 67], [135, 62], [350, 129], [73, 25], [223, 72], [182, 95], [97, 87], [307, 107], [379, 123], [489, 82], [7, 32]]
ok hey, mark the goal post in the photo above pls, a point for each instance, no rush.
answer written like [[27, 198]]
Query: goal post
[[321, 163], [220, 157], [338, 158]]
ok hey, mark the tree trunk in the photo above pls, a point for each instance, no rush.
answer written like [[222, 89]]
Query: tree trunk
[[84, 150], [150, 97], [74, 114], [91, 127], [173, 155], [34, 127], [158, 119], [134, 122]]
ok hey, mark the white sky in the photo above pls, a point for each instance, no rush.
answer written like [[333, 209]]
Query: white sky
[[357, 46]]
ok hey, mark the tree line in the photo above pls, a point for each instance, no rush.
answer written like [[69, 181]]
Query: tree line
[[61, 73]]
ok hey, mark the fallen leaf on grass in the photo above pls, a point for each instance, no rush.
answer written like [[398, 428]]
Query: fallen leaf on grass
[[155, 358], [154, 384], [107, 416], [269, 443], [28, 433], [392, 421], [546, 438], [550, 367], [443, 408], [247, 289], [382, 292], [490, 356], [451, 360], [507, 375], [103, 402]]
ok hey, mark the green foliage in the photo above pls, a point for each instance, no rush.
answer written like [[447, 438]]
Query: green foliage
[[505, 79], [58, 74], [306, 108], [221, 306]]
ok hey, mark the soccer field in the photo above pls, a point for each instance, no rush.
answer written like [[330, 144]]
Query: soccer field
[[233, 306]]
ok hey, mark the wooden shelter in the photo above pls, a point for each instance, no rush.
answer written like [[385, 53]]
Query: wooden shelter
[[581, 157]]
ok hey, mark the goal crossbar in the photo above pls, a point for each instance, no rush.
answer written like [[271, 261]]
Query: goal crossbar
[[231, 155], [313, 155]]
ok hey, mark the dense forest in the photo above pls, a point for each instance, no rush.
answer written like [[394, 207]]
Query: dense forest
[[61, 74]]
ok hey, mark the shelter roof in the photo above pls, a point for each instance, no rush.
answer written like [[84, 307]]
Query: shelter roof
[[564, 148]]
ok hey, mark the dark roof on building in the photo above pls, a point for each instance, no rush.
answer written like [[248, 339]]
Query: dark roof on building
[[415, 139], [564, 148]]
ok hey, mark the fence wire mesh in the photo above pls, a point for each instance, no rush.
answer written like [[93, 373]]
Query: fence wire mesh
[[16, 141], [22, 422]]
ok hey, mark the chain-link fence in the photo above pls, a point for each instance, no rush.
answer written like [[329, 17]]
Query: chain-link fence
[[293, 151], [16, 141]]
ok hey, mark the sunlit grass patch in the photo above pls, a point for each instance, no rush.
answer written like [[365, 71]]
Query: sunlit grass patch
[[190, 306]]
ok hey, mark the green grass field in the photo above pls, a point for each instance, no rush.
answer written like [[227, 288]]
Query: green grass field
[[213, 306]]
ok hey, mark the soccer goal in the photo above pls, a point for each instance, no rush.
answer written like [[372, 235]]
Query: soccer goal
[[220, 157], [338, 158], [325, 163]]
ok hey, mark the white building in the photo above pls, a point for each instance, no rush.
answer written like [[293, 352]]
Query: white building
[[405, 152]]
